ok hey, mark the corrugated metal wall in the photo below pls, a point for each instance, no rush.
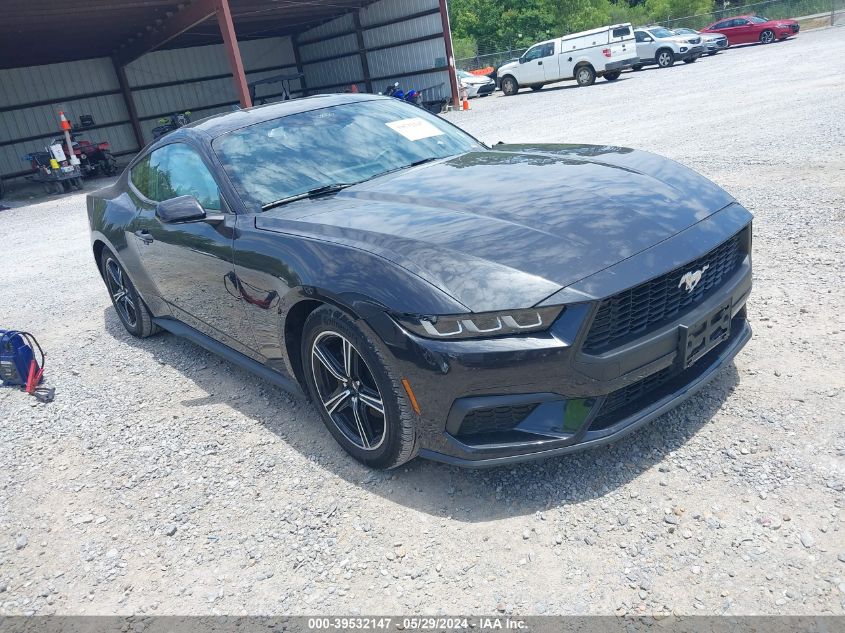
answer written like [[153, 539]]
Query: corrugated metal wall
[[162, 82], [198, 79], [85, 87], [402, 41]]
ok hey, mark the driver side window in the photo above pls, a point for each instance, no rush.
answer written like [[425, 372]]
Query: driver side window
[[541, 50], [176, 170]]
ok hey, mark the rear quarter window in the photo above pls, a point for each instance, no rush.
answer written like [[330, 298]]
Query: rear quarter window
[[623, 31], [143, 178]]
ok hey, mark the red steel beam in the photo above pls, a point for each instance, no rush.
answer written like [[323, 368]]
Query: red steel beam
[[233, 51], [450, 55]]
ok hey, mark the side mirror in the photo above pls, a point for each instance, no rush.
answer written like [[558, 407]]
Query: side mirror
[[181, 209], [521, 60]]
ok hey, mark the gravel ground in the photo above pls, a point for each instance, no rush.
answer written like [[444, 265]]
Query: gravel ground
[[164, 480]]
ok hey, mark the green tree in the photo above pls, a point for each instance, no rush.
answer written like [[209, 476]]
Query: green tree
[[496, 25]]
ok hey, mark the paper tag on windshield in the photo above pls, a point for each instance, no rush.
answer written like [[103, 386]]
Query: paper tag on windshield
[[414, 129]]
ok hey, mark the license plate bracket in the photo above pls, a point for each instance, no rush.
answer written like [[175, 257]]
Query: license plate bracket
[[696, 340]]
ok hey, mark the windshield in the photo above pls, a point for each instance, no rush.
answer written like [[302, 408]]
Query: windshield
[[344, 144], [661, 32], [464, 74], [758, 19]]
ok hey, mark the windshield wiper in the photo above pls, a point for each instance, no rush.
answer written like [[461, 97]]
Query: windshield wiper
[[311, 193], [421, 161]]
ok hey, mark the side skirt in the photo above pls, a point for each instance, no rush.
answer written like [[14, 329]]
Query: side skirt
[[181, 330]]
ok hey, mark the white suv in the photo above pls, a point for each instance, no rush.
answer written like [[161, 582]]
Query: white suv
[[659, 45]]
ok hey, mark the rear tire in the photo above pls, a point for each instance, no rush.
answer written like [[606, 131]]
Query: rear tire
[[130, 308], [613, 75], [713, 53], [767, 36], [509, 86], [637, 67], [537, 88], [374, 421], [690, 60], [109, 164], [585, 75], [665, 58]]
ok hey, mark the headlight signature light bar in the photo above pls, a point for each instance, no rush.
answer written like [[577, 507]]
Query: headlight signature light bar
[[482, 324]]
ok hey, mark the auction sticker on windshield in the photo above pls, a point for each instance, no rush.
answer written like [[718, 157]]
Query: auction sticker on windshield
[[414, 129]]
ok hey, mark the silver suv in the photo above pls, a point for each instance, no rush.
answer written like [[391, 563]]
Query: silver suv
[[659, 45]]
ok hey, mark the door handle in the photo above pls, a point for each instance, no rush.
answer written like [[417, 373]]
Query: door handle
[[145, 236], [539, 63]]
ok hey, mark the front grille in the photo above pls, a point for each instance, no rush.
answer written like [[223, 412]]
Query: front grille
[[648, 306], [722, 42], [495, 419]]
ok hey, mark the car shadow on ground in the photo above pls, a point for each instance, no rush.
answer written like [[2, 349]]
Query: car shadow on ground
[[437, 489], [523, 92]]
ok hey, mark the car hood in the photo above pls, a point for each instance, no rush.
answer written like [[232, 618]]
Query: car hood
[[508, 66], [509, 227]]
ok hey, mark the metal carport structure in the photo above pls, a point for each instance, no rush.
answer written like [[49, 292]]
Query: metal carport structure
[[129, 62]]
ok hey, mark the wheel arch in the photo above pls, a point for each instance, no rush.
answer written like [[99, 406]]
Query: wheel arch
[[664, 48]]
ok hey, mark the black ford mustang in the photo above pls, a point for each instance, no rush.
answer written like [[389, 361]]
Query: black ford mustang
[[431, 295]]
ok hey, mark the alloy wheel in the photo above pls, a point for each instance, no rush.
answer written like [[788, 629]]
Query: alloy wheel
[[767, 37], [664, 59], [120, 294], [347, 390]]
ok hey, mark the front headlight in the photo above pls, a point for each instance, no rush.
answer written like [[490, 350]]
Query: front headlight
[[480, 325]]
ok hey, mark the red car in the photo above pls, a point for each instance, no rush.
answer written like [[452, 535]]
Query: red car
[[747, 29]]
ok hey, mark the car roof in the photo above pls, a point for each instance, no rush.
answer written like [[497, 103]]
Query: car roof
[[226, 122]]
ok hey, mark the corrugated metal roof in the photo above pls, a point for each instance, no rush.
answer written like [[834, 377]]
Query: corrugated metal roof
[[51, 31]]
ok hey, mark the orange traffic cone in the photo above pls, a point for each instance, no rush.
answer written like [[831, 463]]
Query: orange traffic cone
[[63, 119], [466, 104]]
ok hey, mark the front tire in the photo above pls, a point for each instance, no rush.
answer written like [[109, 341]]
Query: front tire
[[767, 36], [537, 88], [665, 58], [637, 67], [130, 308], [509, 86], [361, 402], [585, 76]]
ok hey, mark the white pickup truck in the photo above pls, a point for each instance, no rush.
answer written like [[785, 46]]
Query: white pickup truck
[[603, 52]]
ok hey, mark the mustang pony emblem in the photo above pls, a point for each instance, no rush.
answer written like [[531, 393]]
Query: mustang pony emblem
[[691, 278]]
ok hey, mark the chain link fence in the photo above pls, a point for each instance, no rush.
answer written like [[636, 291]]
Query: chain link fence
[[815, 12], [489, 60]]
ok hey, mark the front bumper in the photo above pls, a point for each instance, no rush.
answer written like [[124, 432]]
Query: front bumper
[[670, 396], [694, 51], [487, 402], [714, 46]]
